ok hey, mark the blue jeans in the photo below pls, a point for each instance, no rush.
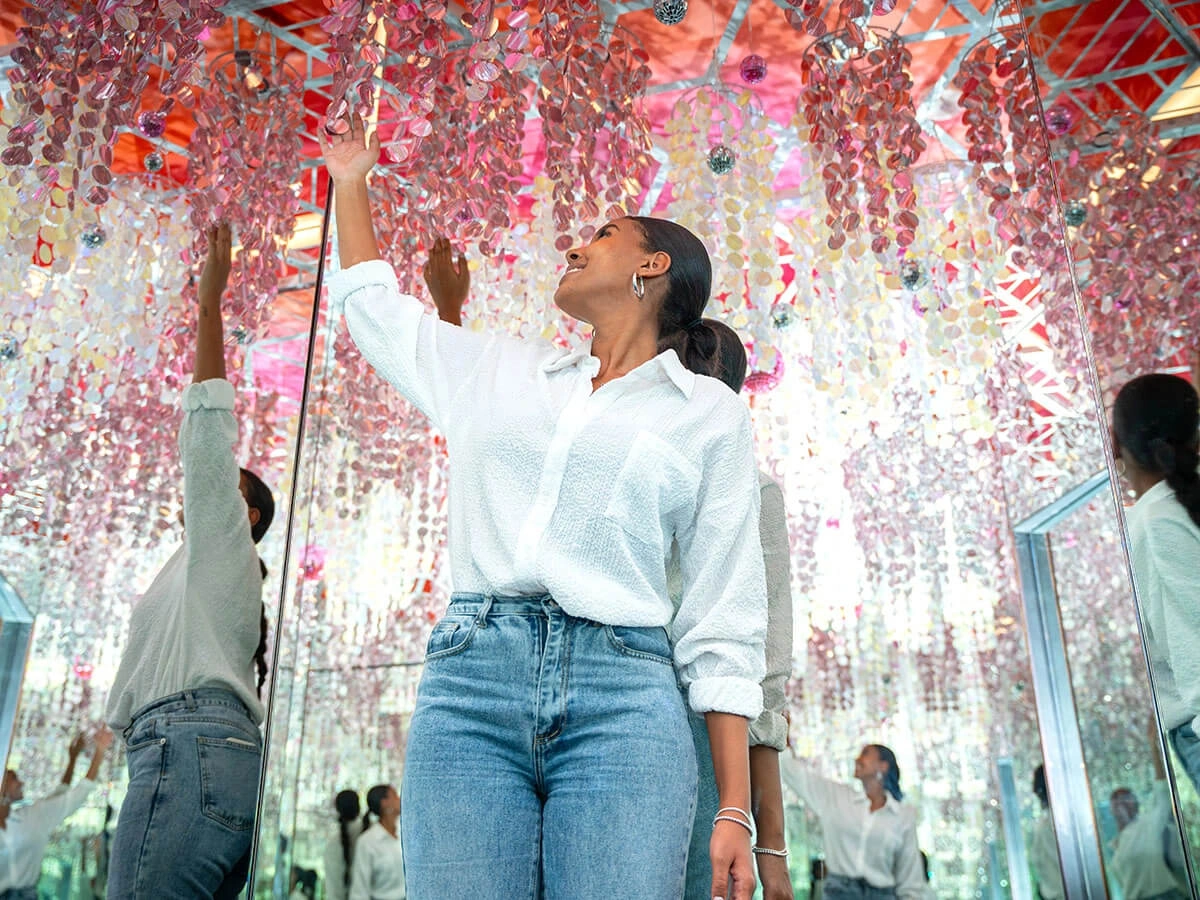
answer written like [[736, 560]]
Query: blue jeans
[[840, 887], [188, 818], [1187, 748], [19, 894], [699, 867], [548, 756]]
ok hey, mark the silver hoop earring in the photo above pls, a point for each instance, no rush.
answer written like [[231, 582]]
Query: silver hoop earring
[[1120, 467], [639, 286]]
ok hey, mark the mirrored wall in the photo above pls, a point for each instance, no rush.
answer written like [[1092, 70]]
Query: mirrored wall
[[907, 204]]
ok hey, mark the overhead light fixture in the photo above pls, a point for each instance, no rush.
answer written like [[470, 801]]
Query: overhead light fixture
[[1184, 101]]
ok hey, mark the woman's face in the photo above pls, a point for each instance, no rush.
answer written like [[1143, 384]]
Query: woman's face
[[600, 272], [868, 763], [390, 805]]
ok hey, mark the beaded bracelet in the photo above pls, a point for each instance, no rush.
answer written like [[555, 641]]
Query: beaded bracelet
[[769, 852], [745, 825]]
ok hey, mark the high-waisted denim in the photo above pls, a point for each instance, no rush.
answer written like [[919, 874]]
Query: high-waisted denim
[[187, 821], [841, 887], [548, 756]]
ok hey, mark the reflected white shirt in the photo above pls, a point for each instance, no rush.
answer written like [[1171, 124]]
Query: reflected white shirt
[[1043, 859], [1139, 851], [336, 887], [1165, 551], [197, 625], [556, 488], [879, 847], [378, 866], [23, 841]]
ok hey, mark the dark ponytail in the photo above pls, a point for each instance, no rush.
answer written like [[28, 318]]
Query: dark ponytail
[[375, 803], [891, 778], [1155, 419], [260, 653], [688, 285], [347, 807]]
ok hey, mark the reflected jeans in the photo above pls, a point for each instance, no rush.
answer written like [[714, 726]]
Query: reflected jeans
[[548, 756], [699, 867], [19, 894], [839, 887], [1187, 748], [187, 822]]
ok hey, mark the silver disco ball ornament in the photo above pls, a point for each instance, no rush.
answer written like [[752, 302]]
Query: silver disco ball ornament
[[241, 334], [721, 159], [1075, 213], [154, 162], [9, 347], [670, 12], [912, 275], [783, 316], [92, 236]]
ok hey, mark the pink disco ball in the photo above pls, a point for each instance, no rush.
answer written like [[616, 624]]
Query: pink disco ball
[[753, 69], [1059, 119]]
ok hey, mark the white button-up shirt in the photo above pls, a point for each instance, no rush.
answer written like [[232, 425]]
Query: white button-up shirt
[[558, 488], [378, 871], [1164, 547], [879, 847], [336, 887], [1139, 859], [24, 838]]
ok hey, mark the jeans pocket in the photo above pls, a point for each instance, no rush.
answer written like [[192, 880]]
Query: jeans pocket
[[451, 635], [229, 769], [642, 643], [144, 734]]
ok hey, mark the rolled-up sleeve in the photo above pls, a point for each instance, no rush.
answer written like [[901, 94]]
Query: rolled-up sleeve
[[427, 360], [770, 728], [213, 508], [722, 619]]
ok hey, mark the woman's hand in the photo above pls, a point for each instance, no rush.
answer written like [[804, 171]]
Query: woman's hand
[[449, 283], [215, 276], [350, 156], [774, 876], [732, 865]]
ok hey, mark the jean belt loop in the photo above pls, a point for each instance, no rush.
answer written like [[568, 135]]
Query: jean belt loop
[[481, 616], [190, 698]]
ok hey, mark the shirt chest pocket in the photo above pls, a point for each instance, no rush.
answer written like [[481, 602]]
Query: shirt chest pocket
[[654, 493]]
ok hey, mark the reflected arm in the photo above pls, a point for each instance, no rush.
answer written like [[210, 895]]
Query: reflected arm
[[210, 334]]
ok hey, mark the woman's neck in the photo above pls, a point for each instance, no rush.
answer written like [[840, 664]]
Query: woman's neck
[[621, 351], [1141, 481], [389, 824], [875, 793]]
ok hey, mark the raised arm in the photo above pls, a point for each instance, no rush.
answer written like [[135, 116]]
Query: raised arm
[[348, 159], [73, 750], [103, 741], [210, 334]]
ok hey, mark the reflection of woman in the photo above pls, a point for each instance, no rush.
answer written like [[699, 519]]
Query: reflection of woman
[[186, 693], [871, 846], [1155, 422], [549, 742], [339, 852], [768, 733], [1043, 849], [378, 871]]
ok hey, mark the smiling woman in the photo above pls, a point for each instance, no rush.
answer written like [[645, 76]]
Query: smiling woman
[[623, 454]]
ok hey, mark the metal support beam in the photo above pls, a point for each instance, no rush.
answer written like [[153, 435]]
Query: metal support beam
[[1062, 748]]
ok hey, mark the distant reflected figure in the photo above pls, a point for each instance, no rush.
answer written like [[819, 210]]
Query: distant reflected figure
[[25, 830], [378, 860], [1154, 434], [1139, 859], [871, 850], [1043, 854], [339, 852]]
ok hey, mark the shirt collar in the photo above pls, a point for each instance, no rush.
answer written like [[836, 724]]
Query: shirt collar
[[1158, 492], [667, 362]]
